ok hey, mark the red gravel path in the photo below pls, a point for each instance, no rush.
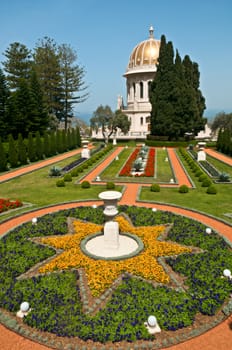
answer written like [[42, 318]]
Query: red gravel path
[[219, 156], [218, 338]]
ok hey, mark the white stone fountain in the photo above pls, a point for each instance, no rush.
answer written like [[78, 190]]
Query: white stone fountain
[[111, 244]]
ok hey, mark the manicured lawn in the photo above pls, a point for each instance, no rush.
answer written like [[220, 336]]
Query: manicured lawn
[[197, 199], [222, 167], [163, 169]]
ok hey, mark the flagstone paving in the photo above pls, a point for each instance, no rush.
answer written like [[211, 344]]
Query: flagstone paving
[[218, 338]]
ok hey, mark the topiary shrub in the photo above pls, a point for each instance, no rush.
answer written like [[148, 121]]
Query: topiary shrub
[[206, 183], [211, 190], [67, 177], [60, 183], [85, 184], [202, 178], [110, 186], [155, 188], [183, 189], [199, 173]]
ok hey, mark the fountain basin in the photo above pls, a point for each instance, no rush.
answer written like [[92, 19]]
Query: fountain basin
[[94, 247]]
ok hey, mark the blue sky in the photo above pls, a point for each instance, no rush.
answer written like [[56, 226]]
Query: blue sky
[[104, 33]]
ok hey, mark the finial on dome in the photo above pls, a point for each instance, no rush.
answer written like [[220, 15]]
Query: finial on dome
[[151, 31]]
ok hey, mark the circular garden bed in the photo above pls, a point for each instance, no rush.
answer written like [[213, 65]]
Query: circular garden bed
[[188, 294]]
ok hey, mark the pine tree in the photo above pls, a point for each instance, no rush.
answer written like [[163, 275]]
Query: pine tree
[[39, 120], [47, 66], [22, 107], [22, 151], [3, 159], [72, 84], [17, 64], [12, 152]]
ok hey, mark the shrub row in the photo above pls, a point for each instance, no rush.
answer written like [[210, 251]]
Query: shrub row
[[202, 177]]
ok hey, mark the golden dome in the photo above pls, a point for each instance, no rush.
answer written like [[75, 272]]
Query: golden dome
[[145, 53]]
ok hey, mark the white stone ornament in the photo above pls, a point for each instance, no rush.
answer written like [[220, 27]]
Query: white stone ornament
[[152, 325], [34, 221], [154, 209], [24, 309], [227, 273], [208, 230]]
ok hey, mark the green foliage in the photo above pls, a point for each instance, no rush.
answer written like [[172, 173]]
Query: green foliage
[[211, 190], [4, 96], [104, 119], [183, 189], [56, 301], [67, 177], [85, 184], [110, 185], [22, 151], [224, 177], [3, 159], [12, 152], [55, 171], [177, 103], [155, 188], [60, 183], [206, 183], [31, 148], [203, 177]]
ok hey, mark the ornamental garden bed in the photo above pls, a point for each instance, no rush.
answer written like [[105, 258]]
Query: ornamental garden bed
[[7, 204], [188, 294]]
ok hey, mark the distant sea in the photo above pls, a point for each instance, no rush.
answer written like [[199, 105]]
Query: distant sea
[[209, 114]]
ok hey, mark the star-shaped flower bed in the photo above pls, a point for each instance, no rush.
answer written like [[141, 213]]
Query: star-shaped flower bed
[[102, 273]]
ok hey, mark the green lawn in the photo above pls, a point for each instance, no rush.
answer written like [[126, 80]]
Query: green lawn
[[197, 199], [40, 190]]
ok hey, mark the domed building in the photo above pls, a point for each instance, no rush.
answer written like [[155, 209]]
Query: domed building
[[139, 74]]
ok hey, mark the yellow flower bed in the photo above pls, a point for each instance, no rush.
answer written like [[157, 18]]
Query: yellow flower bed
[[102, 273]]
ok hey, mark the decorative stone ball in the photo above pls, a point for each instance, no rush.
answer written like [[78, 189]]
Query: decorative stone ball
[[227, 273], [152, 321], [154, 209], [208, 230], [34, 221], [24, 307], [94, 206]]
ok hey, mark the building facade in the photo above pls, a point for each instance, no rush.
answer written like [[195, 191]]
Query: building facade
[[139, 74]]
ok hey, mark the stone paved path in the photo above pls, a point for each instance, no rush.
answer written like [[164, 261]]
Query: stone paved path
[[219, 156], [218, 338]]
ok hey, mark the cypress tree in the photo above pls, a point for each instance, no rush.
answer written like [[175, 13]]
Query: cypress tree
[[31, 148], [46, 145], [3, 159], [69, 140], [22, 100], [22, 151], [4, 96], [38, 146], [53, 146], [59, 146], [78, 137], [64, 140], [12, 152]]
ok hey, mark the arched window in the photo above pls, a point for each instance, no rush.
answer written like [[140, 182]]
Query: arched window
[[141, 89], [141, 120], [134, 88]]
